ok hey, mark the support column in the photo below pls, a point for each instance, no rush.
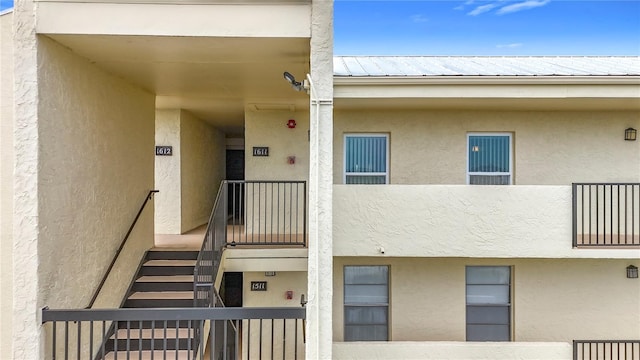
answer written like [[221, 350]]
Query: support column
[[27, 331], [320, 268]]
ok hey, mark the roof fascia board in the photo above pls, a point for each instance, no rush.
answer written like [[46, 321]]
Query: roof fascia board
[[485, 80]]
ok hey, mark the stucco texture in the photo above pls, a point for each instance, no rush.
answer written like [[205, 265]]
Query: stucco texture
[[459, 221], [167, 174], [411, 350], [6, 182], [550, 148], [188, 180], [202, 167], [269, 128], [553, 300], [95, 168], [319, 308]]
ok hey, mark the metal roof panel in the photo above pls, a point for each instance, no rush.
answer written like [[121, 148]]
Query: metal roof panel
[[402, 66]]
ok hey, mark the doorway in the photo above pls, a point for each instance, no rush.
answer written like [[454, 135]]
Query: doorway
[[231, 292], [235, 191]]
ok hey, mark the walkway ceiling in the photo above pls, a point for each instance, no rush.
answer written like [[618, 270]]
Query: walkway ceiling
[[214, 78]]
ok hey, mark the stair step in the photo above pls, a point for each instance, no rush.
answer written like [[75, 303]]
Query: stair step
[[171, 333], [166, 279], [148, 324], [146, 355], [165, 270], [190, 262], [158, 303], [160, 299], [164, 283], [136, 345], [162, 295], [172, 255]]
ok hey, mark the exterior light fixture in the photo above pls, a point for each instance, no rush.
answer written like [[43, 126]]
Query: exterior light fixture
[[296, 85], [632, 272], [630, 134]]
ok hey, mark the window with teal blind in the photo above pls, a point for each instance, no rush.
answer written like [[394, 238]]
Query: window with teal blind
[[366, 159], [489, 159]]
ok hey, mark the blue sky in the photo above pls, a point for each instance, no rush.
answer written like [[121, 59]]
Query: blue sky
[[484, 27], [487, 27], [5, 4]]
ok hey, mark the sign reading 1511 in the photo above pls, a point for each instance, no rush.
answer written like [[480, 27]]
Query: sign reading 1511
[[258, 286]]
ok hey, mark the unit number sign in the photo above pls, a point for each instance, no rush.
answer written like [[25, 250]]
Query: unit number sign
[[258, 286]]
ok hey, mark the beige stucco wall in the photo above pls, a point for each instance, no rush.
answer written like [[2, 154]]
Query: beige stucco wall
[[167, 173], [319, 309], [550, 148], [202, 165], [269, 128], [95, 170], [6, 181], [553, 300], [459, 221], [295, 281], [189, 179], [409, 350]]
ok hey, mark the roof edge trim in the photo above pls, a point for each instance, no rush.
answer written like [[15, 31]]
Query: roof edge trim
[[486, 80]]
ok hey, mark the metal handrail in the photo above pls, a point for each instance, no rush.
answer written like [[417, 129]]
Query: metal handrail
[[189, 313], [208, 247], [265, 213], [82, 333], [122, 243]]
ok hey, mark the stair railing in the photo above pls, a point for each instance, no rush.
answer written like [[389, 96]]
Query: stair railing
[[122, 244], [208, 261], [249, 213]]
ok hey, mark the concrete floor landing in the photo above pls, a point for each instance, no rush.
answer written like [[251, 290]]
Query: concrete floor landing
[[191, 240]]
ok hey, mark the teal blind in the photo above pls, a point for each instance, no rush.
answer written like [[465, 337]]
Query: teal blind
[[366, 159], [489, 154], [366, 154]]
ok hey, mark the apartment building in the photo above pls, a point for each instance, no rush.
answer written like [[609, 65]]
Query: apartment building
[[357, 207]]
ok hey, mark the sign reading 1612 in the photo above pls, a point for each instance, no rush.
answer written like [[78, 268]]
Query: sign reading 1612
[[164, 150]]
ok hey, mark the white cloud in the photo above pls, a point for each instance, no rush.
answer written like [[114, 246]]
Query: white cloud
[[481, 9], [525, 5], [510, 46], [419, 18]]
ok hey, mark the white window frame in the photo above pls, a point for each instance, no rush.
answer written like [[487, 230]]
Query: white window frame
[[344, 157], [510, 173], [509, 305], [363, 305]]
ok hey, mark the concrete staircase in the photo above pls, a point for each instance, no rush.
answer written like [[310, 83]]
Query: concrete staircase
[[164, 280]]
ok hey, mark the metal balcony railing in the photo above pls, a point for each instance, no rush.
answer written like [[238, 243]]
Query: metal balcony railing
[[222, 333], [606, 214], [606, 349], [249, 213]]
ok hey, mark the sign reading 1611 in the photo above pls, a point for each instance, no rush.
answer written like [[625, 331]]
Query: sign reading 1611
[[260, 151], [164, 150]]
